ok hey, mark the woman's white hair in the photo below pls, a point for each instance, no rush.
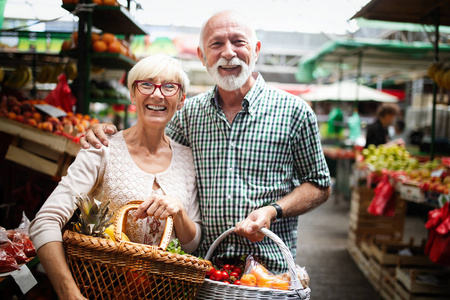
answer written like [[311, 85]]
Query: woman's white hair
[[167, 68]]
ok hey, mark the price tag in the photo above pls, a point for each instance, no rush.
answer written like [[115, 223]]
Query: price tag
[[51, 110], [24, 279]]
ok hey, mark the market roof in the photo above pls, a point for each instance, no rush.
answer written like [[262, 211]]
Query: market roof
[[417, 11], [385, 58]]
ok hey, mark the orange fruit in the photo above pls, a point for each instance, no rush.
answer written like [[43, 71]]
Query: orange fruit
[[74, 37], [110, 2], [280, 284], [108, 38], [98, 2], [115, 47], [66, 45], [259, 271], [265, 281], [100, 46], [95, 37], [248, 280]]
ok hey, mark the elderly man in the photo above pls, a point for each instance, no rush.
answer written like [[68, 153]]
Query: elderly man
[[257, 150]]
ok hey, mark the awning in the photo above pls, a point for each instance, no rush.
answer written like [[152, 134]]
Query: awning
[[346, 91], [383, 58], [417, 11]]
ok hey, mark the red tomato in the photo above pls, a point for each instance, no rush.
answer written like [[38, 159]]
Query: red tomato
[[232, 267], [227, 282], [226, 267], [237, 270], [210, 272], [237, 282], [217, 275], [225, 275], [234, 274]]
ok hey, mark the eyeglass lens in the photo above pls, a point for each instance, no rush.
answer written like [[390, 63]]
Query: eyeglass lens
[[148, 88]]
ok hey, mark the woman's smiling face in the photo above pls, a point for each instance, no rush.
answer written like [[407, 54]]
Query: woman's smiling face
[[157, 109]]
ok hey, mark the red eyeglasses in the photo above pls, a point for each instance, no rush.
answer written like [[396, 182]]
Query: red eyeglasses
[[147, 88]]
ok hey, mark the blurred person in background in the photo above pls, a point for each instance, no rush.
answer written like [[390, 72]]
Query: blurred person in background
[[378, 132]]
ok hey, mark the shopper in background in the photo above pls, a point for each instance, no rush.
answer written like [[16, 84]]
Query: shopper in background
[[378, 132], [257, 149], [140, 163]]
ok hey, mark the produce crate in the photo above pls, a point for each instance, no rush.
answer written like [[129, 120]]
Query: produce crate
[[41, 151], [411, 284], [387, 283], [362, 223], [387, 253], [412, 192]]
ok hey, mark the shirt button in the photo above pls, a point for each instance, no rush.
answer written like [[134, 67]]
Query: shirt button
[[230, 170], [232, 144], [229, 197]]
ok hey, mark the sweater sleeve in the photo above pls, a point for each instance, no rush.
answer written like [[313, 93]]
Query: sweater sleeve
[[83, 176]]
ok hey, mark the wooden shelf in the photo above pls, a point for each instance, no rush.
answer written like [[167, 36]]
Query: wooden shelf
[[113, 19]]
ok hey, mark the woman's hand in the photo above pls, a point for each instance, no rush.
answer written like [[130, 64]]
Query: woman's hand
[[257, 219], [159, 206], [96, 136]]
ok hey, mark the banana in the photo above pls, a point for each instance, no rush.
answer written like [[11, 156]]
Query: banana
[[58, 69], [2, 74], [44, 74], [71, 70]]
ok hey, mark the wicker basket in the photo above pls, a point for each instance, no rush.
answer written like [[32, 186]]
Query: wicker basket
[[217, 290], [104, 269]]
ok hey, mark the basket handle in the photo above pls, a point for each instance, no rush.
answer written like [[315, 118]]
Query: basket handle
[[118, 224], [295, 282]]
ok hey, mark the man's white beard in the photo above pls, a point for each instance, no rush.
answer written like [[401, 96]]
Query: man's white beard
[[231, 82]]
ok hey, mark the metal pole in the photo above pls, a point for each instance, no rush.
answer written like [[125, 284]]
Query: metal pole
[[436, 16]]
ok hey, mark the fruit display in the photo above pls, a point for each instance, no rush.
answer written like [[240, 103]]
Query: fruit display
[[49, 72], [389, 157], [72, 126], [21, 76], [396, 161], [101, 43]]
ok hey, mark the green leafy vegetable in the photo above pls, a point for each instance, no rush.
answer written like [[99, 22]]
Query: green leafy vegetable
[[175, 247]]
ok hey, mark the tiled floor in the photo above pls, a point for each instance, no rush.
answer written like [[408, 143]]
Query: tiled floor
[[322, 249]]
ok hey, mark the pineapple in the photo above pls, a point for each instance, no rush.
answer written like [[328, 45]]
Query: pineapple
[[94, 216]]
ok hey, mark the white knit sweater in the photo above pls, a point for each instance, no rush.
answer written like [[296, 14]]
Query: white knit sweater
[[112, 170]]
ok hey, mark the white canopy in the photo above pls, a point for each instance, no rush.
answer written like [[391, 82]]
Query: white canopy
[[346, 91]]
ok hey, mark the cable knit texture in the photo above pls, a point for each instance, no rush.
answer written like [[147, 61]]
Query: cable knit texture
[[113, 171]]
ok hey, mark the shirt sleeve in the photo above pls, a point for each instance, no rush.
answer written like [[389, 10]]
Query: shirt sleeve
[[83, 176], [309, 160], [175, 129]]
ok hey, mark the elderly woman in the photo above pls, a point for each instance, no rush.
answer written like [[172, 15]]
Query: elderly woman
[[140, 163]]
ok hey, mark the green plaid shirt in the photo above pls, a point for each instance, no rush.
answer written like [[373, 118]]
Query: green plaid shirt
[[272, 146]]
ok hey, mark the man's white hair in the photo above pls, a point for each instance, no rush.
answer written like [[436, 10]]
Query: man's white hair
[[243, 20]]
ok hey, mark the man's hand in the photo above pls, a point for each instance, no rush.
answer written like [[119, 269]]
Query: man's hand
[[257, 219], [96, 136]]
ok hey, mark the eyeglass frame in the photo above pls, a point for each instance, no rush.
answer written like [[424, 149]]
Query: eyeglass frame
[[157, 86]]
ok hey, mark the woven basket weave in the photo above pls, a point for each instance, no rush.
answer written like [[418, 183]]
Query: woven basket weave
[[104, 269], [217, 290]]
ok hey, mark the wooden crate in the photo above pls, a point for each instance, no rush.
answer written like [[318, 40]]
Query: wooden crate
[[361, 222], [41, 151], [387, 283], [410, 286], [387, 253]]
